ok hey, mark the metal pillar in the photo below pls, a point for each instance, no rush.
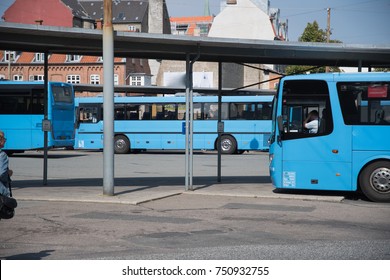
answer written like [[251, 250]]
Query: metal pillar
[[189, 127], [108, 100], [46, 102], [220, 124]]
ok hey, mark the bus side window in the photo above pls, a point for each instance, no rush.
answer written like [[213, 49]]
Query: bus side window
[[349, 108], [181, 111], [146, 116], [38, 108], [88, 113], [323, 119], [365, 103], [263, 112], [170, 111], [233, 111]]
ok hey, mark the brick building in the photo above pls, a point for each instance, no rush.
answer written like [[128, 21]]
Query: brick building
[[191, 26], [128, 15]]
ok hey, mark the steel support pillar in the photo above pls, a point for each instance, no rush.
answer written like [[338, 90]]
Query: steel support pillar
[[108, 100]]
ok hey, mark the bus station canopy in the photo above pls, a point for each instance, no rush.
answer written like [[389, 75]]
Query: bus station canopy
[[50, 39]]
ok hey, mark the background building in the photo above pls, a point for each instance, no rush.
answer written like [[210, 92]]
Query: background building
[[191, 26], [128, 15], [240, 19]]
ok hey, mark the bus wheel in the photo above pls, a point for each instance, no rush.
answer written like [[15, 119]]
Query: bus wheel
[[228, 144], [121, 144], [375, 181]]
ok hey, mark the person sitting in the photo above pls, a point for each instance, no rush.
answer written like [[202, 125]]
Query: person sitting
[[311, 122], [7, 203], [5, 172]]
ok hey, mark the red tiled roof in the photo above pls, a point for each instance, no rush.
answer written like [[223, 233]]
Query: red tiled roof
[[26, 57], [192, 19], [89, 59], [57, 58]]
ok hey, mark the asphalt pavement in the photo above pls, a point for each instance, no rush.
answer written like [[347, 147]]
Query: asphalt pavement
[[75, 176]]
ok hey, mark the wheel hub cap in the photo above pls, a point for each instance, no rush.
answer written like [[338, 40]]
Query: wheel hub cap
[[225, 145], [120, 144], [380, 180]]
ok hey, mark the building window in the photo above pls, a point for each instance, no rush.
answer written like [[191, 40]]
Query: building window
[[18, 77], [94, 79], [116, 79], [181, 29], [2, 77], [9, 56], [203, 29], [73, 79], [39, 57], [35, 78], [73, 58], [136, 80]]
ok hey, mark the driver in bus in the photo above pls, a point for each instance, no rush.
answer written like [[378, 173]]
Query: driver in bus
[[311, 122]]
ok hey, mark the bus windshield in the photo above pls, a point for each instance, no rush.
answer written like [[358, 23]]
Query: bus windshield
[[62, 93]]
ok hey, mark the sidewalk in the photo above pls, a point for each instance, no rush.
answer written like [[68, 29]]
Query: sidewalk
[[136, 195]]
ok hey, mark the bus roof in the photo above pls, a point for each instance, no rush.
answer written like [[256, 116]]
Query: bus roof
[[29, 83], [359, 76]]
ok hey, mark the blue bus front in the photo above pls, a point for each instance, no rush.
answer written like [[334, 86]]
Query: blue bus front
[[62, 115], [22, 112], [349, 149]]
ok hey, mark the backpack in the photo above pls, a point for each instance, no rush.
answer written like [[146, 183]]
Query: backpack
[[7, 203], [7, 207]]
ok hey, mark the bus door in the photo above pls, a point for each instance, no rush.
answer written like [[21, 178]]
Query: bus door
[[315, 156], [90, 126]]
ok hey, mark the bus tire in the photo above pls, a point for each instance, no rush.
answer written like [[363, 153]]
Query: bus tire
[[374, 181], [121, 144], [228, 144]]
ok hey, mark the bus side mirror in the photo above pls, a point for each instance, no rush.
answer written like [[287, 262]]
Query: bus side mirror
[[279, 120]]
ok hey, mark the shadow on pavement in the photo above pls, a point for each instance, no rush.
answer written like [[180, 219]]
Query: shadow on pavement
[[31, 256], [347, 195], [141, 181]]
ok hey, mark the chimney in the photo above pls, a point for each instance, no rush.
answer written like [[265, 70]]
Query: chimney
[[231, 2], [156, 16]]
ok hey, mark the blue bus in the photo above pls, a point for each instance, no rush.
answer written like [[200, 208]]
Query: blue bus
[[143, 123], [350, 148], [22, 114]]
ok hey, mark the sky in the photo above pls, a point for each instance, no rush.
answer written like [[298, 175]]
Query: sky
[[351, 21]]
